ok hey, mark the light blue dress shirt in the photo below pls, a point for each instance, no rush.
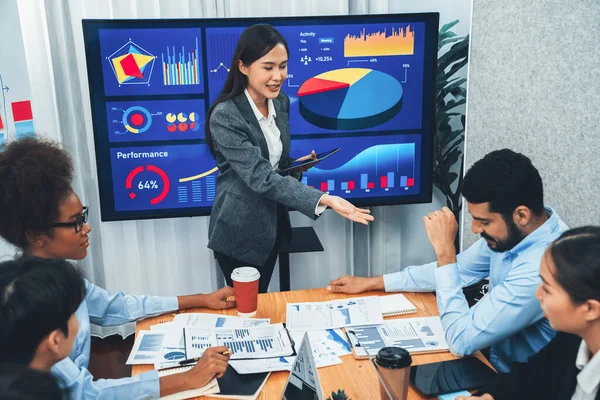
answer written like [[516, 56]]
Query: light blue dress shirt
[[508, 319], [106, 309]]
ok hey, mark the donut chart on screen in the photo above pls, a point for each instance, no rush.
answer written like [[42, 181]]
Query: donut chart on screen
[[350, 98], [137, 119], [154, 184]]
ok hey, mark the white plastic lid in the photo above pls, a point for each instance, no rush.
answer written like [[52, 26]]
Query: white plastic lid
[[245, 274]]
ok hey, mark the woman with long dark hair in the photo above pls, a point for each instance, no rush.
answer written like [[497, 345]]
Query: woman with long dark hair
[[569, 367], [247, 130]]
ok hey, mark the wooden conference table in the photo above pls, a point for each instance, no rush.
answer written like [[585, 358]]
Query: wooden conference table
[[356, 377]]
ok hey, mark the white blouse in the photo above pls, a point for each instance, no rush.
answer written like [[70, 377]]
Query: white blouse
[[269, 129]]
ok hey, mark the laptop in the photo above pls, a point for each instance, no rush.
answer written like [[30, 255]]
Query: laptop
[[303, 382]]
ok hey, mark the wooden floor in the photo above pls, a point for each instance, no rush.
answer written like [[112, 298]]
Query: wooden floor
[[108, 357]]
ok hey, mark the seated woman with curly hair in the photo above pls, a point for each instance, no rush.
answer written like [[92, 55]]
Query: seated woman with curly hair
[[41, 215]]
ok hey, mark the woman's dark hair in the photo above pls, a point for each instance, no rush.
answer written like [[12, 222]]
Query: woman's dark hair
[[576, 257], [37, 297], [254, 43], [506, 180], [21, 383], [35, 177]]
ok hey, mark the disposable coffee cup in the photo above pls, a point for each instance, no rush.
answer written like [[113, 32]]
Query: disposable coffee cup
[[393, 364], [245, 283]]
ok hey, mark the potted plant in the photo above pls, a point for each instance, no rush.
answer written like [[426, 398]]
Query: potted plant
[[340, 395], [451, 98]]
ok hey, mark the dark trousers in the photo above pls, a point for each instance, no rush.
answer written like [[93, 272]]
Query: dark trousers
[[228, 264]]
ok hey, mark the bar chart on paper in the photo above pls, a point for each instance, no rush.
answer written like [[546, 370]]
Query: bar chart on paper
[[254, 342], [250, 346], [200, 340]]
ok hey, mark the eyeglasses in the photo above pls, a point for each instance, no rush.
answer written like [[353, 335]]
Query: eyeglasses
[[77, 224]]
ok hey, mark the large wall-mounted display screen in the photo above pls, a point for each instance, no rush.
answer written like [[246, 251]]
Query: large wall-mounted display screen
[[364, 84]]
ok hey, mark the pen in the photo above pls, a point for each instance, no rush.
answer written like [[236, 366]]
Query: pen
[[196, 359], [189, 361]]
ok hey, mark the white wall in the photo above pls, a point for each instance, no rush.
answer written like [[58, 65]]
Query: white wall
[[13, 69], [13, 66], [534, 87]]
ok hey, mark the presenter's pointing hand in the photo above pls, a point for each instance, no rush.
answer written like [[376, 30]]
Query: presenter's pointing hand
[[347, 209]]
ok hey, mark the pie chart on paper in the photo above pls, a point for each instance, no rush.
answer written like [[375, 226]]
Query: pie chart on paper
[[350, 98]]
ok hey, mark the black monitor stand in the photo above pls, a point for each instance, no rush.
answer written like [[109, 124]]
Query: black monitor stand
[[303, 240]]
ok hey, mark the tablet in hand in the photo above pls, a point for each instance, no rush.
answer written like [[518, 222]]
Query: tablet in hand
[[311, 161]]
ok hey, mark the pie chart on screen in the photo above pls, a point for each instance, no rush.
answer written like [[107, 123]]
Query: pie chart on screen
[[350, 98]]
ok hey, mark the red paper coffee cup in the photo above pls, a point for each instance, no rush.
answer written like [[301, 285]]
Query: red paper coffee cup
[[245, 283]]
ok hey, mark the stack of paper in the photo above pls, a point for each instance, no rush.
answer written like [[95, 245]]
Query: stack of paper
[[327, 345], [256, 345], [164, 344]]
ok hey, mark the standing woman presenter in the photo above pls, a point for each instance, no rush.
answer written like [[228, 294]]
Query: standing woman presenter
[[247, 130]]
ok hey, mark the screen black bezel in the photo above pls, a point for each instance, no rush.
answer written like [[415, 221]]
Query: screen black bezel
[[91, 29]]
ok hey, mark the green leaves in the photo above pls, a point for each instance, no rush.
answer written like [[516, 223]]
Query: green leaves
[[450, 158], [340, 395], [453, 103], [451, 87], [451, 98], [444, 30], [459, 50]]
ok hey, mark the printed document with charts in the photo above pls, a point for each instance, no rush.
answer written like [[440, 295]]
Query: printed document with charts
[[254, 342], [333, 314], [417, 335]]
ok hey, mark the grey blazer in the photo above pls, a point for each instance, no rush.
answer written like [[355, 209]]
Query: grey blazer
[[243, 221]]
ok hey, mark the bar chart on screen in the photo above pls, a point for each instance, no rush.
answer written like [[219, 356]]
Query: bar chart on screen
[[366, 169], [151, 62]]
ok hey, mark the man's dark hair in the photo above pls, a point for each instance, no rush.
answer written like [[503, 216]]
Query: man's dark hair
[[20, 383], [506, 180], [35, 177], [37, 296]]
